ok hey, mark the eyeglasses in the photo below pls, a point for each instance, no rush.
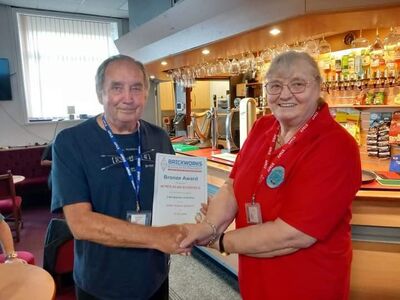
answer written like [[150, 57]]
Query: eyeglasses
[[295, 87]]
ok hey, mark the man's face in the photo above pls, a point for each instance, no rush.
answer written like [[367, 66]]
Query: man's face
[[124, 94]]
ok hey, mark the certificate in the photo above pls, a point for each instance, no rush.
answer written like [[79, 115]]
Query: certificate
[[180, 187]]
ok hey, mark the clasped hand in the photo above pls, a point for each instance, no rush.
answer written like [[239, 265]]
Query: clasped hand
[[199, 234], [180, 239]]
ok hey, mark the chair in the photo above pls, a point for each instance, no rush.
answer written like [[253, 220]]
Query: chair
[[58, 256], [64, 262], [10, 204]]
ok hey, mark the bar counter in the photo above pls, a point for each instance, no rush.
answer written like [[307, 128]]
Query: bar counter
[[375, 233]]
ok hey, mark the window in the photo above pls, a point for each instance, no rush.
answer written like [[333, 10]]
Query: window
[[59, 60]]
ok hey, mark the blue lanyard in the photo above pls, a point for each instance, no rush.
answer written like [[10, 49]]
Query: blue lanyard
[[135, 185]]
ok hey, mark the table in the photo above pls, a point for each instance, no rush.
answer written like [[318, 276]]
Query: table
[[23, 281], [18, 178]]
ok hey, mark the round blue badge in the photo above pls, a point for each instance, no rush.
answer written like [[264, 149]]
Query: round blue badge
[[275, 177]]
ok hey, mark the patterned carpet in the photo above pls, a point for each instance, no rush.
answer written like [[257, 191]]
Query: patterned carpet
[[199, 277]]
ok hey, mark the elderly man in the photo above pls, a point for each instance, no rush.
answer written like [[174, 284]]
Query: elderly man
[[103, 179]]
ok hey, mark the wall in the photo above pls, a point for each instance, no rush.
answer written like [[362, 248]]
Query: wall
[[14, 131], [152, 111], [219, 88]]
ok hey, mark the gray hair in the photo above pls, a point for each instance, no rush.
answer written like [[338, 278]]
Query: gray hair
[[101, 70], [287, 59]]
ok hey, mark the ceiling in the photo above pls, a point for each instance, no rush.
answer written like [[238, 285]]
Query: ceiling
[[109, 8]]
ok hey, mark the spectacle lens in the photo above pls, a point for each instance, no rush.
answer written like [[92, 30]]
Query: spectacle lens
[[295, 87]]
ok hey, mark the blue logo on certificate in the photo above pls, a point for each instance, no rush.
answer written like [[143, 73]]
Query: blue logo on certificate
[[275, 177]]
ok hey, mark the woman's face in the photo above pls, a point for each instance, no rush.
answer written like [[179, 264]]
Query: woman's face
[[293, 109]]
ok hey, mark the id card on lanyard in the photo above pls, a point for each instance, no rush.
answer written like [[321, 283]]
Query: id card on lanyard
[[271, 173], [138, 216]]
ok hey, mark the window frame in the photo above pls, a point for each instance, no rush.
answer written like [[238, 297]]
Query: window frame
[[18, 55]]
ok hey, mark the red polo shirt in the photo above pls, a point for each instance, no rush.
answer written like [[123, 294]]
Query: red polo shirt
[[322, 176]]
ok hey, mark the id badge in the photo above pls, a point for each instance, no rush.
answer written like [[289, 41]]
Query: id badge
[[141, 218], [253, 213]]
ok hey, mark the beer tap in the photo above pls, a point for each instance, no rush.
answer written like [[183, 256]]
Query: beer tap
[[365, 81], [352, 82], [325, 86], [340, 83], [359, 84], [391, 78], [377, 80]]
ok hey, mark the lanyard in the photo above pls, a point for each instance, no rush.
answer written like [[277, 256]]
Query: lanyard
[[135, 185], [268, 164]]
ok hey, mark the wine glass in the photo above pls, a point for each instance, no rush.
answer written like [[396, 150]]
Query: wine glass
[[267, 55], [324, 46], [202, 70], [220, 69], [211, 69], [392, 39], [246, 62], [235, 67], [258, 61], [377, 44], [311, 47], [282, 48], [227, 65], [360, 42], [297, 47]]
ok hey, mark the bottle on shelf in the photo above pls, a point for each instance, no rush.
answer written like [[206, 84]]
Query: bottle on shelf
[[390, 71], [338, 66], [366, 61], [351, 65], [345, 65], [382, 65], [358, 63], [326, 68]]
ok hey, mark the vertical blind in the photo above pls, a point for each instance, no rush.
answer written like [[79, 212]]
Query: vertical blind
[[59, 59]]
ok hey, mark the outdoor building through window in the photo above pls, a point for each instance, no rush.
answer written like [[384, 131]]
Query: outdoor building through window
[[59, 60]]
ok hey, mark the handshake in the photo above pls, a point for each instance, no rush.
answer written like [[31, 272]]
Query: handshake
[[180, 238]]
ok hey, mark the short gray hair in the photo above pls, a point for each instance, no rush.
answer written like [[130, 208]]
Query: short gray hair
[[286, 59], [101, 70]]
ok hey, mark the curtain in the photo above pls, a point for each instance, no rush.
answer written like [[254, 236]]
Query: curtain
[[60, 57]]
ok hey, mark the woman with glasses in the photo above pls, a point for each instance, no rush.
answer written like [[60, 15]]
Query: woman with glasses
[[290, 193]]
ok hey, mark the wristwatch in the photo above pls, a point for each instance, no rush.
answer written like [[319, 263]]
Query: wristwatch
[[11, 255], [221, 245]]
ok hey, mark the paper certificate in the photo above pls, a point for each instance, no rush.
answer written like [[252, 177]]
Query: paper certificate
[[179, 189]]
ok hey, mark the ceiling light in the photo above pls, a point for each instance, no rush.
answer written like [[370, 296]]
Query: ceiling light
[[152, 76], [164, 63], [205, 51], [274, 31]]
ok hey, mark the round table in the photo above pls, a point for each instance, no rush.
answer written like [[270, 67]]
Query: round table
[[18, 178], [23, 281]]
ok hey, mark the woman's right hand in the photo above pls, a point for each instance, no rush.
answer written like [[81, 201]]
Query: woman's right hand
[[198, 234]]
